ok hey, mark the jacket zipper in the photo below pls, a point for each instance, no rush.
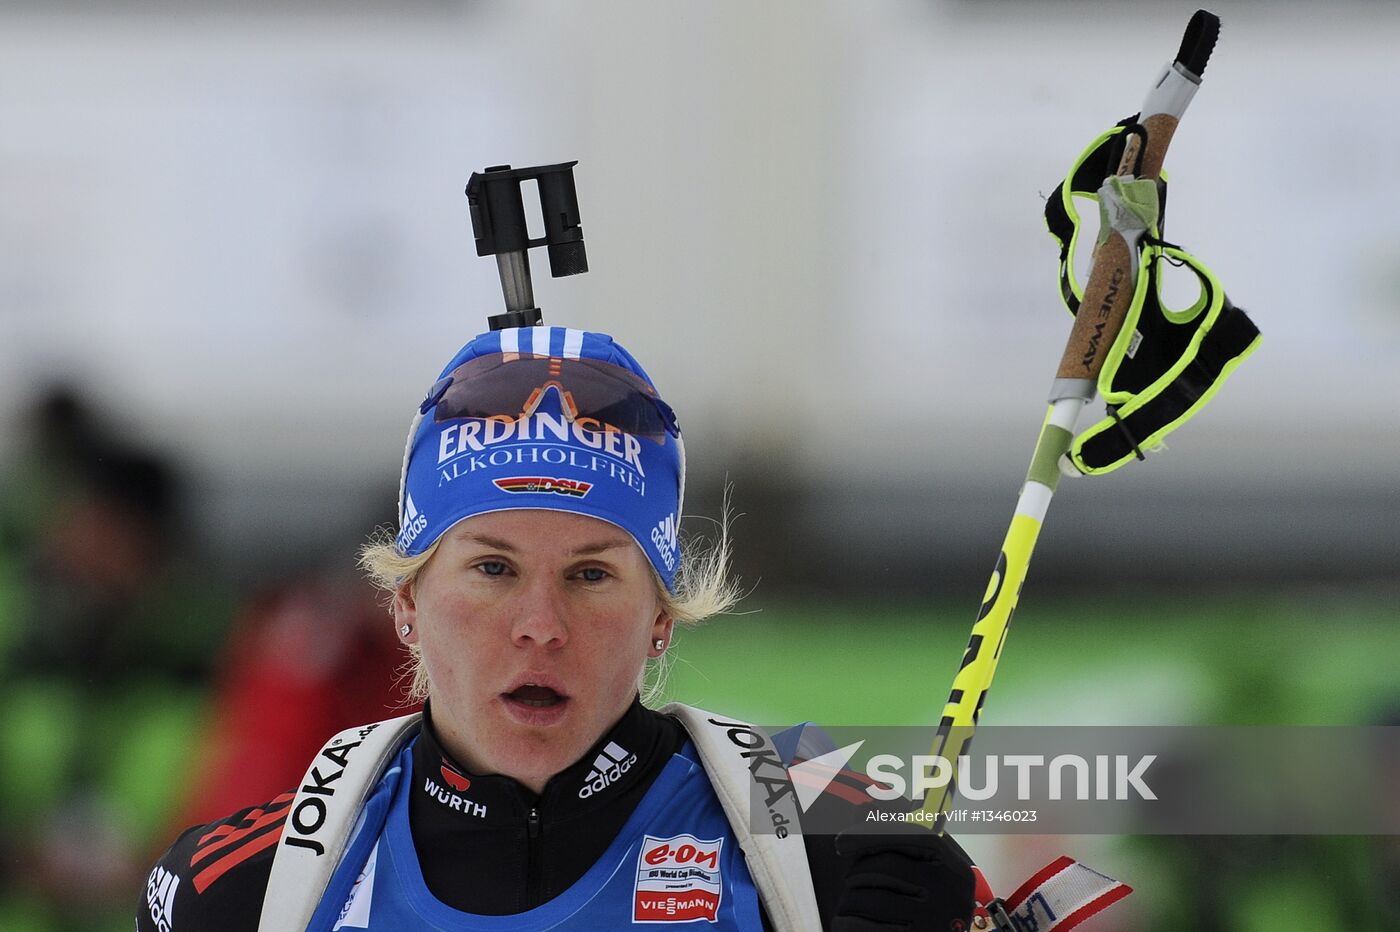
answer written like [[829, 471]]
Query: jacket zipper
[[534, 870]]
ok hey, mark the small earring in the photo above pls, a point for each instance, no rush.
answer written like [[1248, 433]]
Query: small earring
[[404, 629], [659, 644]]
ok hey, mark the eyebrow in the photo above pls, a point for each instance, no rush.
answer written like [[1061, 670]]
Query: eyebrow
[[602, 546], [491, 543]]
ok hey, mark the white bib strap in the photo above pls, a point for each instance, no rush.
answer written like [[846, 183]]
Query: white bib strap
[[740, 760], [323, 816], [1059, 896]]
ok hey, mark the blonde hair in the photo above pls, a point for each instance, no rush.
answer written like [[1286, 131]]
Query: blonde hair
[[703, 589]]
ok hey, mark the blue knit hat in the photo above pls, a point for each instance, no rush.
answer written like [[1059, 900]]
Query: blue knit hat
[[545, 417]]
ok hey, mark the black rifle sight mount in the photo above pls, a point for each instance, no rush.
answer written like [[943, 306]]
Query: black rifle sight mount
[[498, 222]]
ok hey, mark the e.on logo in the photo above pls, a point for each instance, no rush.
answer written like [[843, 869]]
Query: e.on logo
[[678, 879], [702, 854]]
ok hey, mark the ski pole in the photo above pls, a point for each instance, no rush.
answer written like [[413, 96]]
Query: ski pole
[[1107, 297]]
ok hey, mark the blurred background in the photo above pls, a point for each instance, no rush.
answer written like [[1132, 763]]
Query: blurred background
[[234, 252]]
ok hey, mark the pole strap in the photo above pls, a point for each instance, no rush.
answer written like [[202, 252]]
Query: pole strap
[[1059, 896], [1166, 363]]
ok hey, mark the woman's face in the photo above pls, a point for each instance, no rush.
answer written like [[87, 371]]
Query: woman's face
[[534, 627]]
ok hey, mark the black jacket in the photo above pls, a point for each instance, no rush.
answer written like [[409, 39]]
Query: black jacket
[[520, 850]]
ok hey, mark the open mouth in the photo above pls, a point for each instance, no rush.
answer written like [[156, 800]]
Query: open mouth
[[536, 697]]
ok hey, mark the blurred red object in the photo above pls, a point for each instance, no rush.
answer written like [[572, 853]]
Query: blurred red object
[[307, 659]]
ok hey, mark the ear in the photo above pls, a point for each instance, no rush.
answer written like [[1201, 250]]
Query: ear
[[405, 613], [660, 630]]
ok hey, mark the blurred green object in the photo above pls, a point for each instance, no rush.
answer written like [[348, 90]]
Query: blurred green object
[[108, 770], [27, 913], [1275, 658], [37, 719], [155, 733]]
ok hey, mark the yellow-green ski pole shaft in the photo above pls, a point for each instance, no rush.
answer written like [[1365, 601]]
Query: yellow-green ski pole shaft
[[1107, 296], [979, 662]]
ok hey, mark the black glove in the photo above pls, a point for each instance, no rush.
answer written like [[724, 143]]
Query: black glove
[[912, 881]]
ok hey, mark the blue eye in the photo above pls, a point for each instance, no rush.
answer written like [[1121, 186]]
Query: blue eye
[[593, 574], [492, 567]]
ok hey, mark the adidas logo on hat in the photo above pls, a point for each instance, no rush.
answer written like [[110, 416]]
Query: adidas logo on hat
[[608, 768], [411, 524]]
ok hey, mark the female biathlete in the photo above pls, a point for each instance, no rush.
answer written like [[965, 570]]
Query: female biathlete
[[535, 572]]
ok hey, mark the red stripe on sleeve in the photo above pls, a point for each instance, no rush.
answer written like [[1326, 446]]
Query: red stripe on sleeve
[[235, 837], [255, 813], [214, 871]]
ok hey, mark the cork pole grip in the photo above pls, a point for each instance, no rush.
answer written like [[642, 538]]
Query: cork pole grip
[[1106, 299], [1109, 291], [1160, 127]]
